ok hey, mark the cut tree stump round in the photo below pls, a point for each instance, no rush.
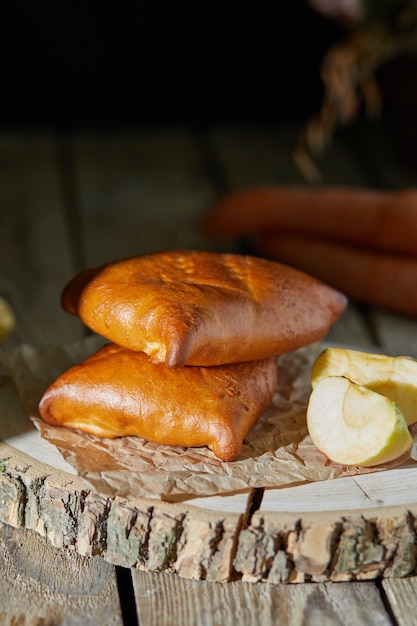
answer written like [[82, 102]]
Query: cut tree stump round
[[353, 528]]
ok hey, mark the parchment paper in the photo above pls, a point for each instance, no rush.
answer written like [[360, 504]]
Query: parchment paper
[[277, 452]]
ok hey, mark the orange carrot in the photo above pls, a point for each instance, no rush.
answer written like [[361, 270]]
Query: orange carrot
[[384, 280], [378, 220]]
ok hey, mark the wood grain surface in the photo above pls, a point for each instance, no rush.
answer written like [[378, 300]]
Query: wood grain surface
[[243, 603], [43, 585]]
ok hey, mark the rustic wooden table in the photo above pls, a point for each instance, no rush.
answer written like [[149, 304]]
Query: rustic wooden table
[[68, 202]]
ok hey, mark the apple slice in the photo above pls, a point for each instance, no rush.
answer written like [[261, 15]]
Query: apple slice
[[394, 377], [353, 425]]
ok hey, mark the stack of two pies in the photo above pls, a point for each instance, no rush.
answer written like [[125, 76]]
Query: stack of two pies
[[194, 340]]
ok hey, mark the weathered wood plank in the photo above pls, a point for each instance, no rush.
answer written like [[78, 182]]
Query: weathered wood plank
[[397, 335], [253, 157], [374, 151], [166, 599], [402, 597], [140, 192], [43, 585], [35, 256]]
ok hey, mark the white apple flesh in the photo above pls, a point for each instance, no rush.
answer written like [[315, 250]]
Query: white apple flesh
[[353, 425], [394, 377]]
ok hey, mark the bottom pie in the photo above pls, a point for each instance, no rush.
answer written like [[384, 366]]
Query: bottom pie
[[118, 392]]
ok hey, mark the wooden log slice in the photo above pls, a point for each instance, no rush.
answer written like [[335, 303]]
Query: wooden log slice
[[353, 528]]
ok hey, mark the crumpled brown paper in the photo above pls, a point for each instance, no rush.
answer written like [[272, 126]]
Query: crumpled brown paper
[[277, 452]]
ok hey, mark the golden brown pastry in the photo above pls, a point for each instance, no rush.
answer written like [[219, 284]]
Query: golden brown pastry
[[203, 308], [118, 392]]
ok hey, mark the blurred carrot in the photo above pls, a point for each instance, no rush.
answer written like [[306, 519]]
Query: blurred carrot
[[378, 220], [385, 280]]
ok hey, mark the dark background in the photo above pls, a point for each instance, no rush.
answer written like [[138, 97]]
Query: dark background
[[102, 65]]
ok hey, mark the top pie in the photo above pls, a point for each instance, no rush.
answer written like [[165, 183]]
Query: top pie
[[203, 308]]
